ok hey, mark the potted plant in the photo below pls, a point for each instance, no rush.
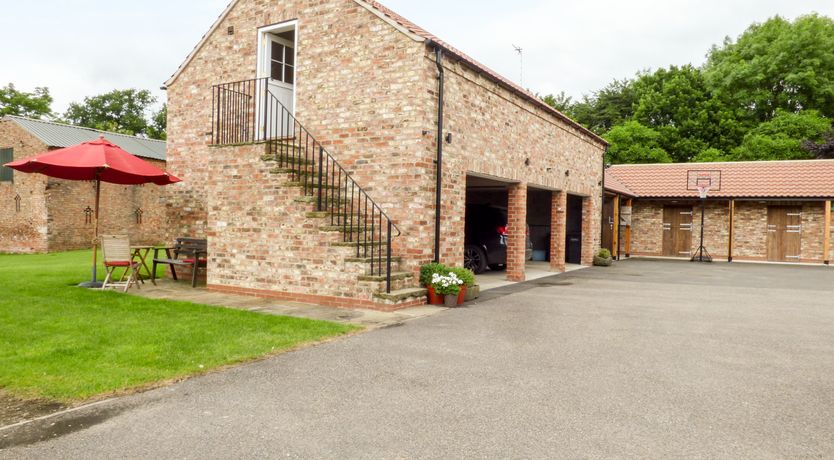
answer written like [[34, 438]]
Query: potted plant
[[603, 258], [448, 286], [427, 271], [468, 287]]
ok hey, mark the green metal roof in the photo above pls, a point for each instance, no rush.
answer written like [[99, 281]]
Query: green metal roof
[[62, 135]]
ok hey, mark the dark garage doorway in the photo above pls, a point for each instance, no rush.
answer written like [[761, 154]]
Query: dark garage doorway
[[539, 210], [573, 230], [485, 224]]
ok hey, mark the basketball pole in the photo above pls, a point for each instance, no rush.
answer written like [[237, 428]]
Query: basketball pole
[[701, 249]]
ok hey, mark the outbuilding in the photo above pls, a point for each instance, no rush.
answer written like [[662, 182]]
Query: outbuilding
[[42, 214], [773, 211]]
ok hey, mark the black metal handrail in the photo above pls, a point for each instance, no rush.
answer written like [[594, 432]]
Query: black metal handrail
[[248, 112]]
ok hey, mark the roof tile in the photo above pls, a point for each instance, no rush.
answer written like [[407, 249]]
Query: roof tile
[[752, 179]]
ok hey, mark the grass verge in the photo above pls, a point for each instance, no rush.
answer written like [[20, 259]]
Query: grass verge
[[68, 344]]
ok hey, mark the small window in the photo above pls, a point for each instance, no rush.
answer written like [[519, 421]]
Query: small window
[[6, 174], [282, 63]]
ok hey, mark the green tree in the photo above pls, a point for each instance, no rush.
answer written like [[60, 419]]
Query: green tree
[[37, 104], [782, 138], [776, 65], [122, 111], [709, 155], [159, 124], [632, 142], [607, 107], [561, 102], [677, 103]]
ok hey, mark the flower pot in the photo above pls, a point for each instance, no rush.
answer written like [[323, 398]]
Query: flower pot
[[472, 293], [462, 295], [450, 300], [434, 297]]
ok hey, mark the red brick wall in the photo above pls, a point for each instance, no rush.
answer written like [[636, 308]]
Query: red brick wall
[[24, 231], [359, 90], [368, 92], [497, 133]]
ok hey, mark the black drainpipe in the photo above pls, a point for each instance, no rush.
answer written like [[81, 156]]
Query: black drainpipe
[[602, 203], [438, 57]]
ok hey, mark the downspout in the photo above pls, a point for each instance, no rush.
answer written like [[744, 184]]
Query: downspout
[[438, 58], [602, 202]]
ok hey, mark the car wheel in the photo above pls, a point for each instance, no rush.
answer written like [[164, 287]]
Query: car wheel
[[474, 258], [497, 267]]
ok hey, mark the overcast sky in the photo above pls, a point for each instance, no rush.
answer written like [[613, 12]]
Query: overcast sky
[[84, 47]]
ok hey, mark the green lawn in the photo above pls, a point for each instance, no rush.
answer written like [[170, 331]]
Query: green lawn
[[65, 343]]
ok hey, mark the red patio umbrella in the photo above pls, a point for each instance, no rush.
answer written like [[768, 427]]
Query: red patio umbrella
[[100, 161]]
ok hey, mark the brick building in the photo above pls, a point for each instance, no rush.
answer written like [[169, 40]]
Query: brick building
[[303, 129], [777, 211], [43, 214]]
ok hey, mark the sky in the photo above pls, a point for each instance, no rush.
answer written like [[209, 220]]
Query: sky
[[82, 48]]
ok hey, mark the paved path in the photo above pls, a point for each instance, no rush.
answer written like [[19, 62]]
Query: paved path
[[371, 319], [643, 360]]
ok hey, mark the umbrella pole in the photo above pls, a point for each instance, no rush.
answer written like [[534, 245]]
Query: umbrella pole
[[94, 283]]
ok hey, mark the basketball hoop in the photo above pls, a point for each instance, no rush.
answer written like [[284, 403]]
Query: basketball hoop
[[702, 181], [703, 191]]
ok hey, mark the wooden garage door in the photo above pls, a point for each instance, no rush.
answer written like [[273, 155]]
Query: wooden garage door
[[677, 231], [784, 233]]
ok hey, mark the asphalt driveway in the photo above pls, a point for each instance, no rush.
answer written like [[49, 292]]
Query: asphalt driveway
[[652, 359]]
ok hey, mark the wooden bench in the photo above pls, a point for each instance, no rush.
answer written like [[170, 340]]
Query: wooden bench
[[190, 252]]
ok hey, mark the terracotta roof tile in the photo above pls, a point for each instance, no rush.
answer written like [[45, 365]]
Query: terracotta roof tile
[[754, 179], [612, 184]]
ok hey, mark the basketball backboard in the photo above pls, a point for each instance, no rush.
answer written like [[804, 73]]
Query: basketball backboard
[[698, 179]]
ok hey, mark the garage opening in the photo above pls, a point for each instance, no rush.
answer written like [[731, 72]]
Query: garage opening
[[573, 230], [486, 234], [539, 210]]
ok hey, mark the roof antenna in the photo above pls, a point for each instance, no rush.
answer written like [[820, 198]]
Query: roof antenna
[[520, 52]]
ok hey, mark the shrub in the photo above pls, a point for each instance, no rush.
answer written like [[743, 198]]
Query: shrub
[[426, 272], [466, 275], [604, 254]]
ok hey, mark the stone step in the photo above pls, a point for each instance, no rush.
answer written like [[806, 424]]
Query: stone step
[[401, 295], [395, 276], [343, 228], [295, 171], [287, 161], [310, 185], [315, 199], [353, 244], [367, 260]]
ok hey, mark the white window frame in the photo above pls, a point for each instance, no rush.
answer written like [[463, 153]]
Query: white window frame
[[264, 59]]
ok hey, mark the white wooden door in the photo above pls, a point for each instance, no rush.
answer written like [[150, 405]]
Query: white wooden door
[[278, 65]]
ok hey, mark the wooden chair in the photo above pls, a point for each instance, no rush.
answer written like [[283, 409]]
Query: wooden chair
[[116, 254], [191, 252]]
